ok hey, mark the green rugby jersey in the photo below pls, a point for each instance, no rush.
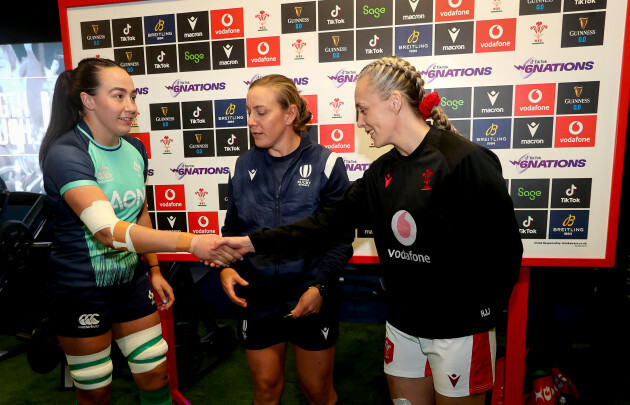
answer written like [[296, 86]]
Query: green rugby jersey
[[75, 159]]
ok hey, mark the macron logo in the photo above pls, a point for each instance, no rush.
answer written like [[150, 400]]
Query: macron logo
[[252, 173]]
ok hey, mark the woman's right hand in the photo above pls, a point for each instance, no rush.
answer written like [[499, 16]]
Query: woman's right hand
[[207, 248], [229, 278]]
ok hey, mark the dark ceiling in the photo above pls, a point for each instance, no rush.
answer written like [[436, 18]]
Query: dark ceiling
[[30, 22]]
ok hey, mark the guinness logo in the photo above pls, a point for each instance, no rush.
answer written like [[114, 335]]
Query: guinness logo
[[198, 138], [583, 22], [95, 29], [335, 39], [164, 111], [298, 11], [129, 55], [578, 90]]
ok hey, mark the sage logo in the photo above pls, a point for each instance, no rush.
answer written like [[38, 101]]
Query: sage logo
[[231, 142], [161, 59], [533, 132], [374, 43], [130, 59], [193, 26], [159, 29], [197, 114], [198, 143], [127, 32], [578, 98], [164, 116], [404, 228], [456, 102], [534, 99], [194, 56], [335, 15], [492, 133], [532, 224], [298, 17], [228, 54], [373, 13], [571, 193], [454, 10], [530, 193], [568, 224], [496, 35], [336, 46], [172, 221], [413, 40], [96, 34], [528, 7], [230, 113], [583, 29], [413, 12], [493, 101], [454, 38]]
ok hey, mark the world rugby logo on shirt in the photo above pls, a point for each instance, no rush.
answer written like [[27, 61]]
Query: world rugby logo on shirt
[[405, 230], [305, 171]]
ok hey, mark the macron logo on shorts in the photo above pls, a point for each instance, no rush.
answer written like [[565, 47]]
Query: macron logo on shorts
[[454, 379], [89, 321], [325, 333]]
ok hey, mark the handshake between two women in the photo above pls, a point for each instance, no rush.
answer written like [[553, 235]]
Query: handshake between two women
[[217, 251]]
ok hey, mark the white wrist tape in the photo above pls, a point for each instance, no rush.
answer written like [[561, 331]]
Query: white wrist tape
[[101, 215]]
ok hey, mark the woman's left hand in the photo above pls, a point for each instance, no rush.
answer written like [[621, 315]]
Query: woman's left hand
[[310, 303], [165, 297]]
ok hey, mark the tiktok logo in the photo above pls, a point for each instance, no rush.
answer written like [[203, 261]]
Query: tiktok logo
[[335, 13], [571, 190], [197, 112], [528, 222], [374, 41], [127, 29], [160, 57]]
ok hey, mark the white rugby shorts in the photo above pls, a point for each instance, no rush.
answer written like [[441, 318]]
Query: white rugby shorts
[[460, 366]]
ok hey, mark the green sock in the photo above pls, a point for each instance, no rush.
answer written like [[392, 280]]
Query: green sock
[[157, 397]]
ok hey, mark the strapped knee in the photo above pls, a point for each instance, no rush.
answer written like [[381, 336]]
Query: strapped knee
[[144, 350], [92, 371]]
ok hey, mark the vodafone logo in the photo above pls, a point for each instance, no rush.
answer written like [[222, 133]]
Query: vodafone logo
[[203, 223], [496, 31], [263, 48], [576, 128], [535, 96], [454, 3], [574, 132], [227, 20], [170, 197], [263, 51], [336, 135], [169, 194], [404, 228]]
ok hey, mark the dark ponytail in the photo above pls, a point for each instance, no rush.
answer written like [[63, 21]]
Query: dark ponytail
[[67, 108]]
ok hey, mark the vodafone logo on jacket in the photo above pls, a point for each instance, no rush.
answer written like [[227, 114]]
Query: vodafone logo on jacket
[[404, 228]]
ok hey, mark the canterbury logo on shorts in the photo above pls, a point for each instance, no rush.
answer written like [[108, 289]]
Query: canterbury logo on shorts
[[87, 321]]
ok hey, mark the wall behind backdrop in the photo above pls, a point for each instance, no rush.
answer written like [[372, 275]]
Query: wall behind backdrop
[[522, 78]]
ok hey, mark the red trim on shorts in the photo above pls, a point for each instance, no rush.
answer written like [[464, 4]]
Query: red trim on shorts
[[427, 369], [481, 364]]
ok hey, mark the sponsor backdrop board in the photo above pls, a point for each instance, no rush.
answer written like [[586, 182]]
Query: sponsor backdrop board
[[540, 82]]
